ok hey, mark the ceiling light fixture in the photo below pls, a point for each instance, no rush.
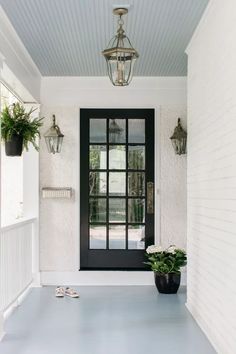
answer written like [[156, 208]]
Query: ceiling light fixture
[[120, 55]]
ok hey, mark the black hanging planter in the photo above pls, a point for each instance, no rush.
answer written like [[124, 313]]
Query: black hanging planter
[[14, 146], [167, 283]]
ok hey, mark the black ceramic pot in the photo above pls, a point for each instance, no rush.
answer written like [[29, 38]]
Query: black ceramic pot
[[14, 146], [167, 283]]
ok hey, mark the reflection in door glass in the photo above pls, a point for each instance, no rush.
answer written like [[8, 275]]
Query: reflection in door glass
[[136, 237], [117, 132], [136, 210], [117, 237], [136, 184], [136, 131], [98, 131], [97, 157], [97, 210], [136, 157], [97, 183], [117, 158], [116, 183], [97, 237], [117, 211]]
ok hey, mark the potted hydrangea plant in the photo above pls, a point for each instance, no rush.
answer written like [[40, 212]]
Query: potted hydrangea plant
[[166, 265]]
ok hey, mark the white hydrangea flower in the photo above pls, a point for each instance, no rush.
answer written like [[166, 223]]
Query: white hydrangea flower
[[171, 249], [154, 249]]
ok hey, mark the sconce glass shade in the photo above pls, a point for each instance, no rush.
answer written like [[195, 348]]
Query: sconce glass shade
[[54, 138], [179, 139], [120, 55]]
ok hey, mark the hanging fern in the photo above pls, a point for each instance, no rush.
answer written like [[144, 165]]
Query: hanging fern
[[16, 121]]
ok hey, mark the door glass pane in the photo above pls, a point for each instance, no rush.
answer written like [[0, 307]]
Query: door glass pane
[[117, 159], [136, 184], [136, 130], [117, 211], [98, 131], [136, 210], [97, 157], [136, 237], [97, 183], [116, 183], [97, 236], [117, 237], [117, 131], [136, 157], [97, 210]]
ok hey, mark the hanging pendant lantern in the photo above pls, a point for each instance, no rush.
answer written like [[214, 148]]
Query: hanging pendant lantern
[[179, 139], [120, 55], [54, 138]]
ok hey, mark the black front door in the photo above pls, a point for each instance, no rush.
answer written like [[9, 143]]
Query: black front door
[[116, 187]]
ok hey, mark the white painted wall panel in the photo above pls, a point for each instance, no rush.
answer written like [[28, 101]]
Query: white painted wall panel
[[59, 219], [173, 180], [212, 175]]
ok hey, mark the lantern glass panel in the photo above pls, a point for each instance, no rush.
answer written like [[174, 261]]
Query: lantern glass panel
[[179, 145], [120, 69], [54, 144]]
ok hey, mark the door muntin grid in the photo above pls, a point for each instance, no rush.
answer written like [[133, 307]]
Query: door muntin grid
[[117, 184]]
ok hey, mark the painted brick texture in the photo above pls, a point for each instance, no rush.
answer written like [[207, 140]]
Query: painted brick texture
[[211, 176]]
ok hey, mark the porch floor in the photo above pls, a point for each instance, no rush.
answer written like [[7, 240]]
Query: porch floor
[[104, 320]]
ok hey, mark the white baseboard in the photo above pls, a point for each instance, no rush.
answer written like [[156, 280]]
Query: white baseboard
[[17, 302], [8, 311], [100, 278], [2, 332], [36, 280]]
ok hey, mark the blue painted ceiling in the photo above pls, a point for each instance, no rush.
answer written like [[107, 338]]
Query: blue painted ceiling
[[66, 37]]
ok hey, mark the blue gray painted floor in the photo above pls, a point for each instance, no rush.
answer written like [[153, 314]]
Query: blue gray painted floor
[[105, 320]]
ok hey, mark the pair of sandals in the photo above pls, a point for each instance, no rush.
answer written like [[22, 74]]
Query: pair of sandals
[[61, 292]]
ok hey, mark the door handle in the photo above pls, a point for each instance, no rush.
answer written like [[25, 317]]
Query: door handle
[[150, 198]]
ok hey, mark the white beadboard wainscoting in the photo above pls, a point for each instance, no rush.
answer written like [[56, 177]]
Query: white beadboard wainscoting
[[16, 261], [212, 175]]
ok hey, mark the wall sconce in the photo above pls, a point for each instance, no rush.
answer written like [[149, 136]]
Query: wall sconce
[[54, 138], [179, 139]]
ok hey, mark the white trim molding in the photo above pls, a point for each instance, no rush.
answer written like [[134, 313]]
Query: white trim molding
[[101, 278], [18, 70], [95, 92]]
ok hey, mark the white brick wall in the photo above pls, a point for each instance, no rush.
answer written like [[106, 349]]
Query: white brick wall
[[212, 175], [173, 191], [59, 245]]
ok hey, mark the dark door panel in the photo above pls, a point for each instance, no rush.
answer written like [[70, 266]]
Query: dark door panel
[[116, 187]]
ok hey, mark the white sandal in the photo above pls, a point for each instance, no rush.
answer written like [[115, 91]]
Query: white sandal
[[71, 293], [60, 291]]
